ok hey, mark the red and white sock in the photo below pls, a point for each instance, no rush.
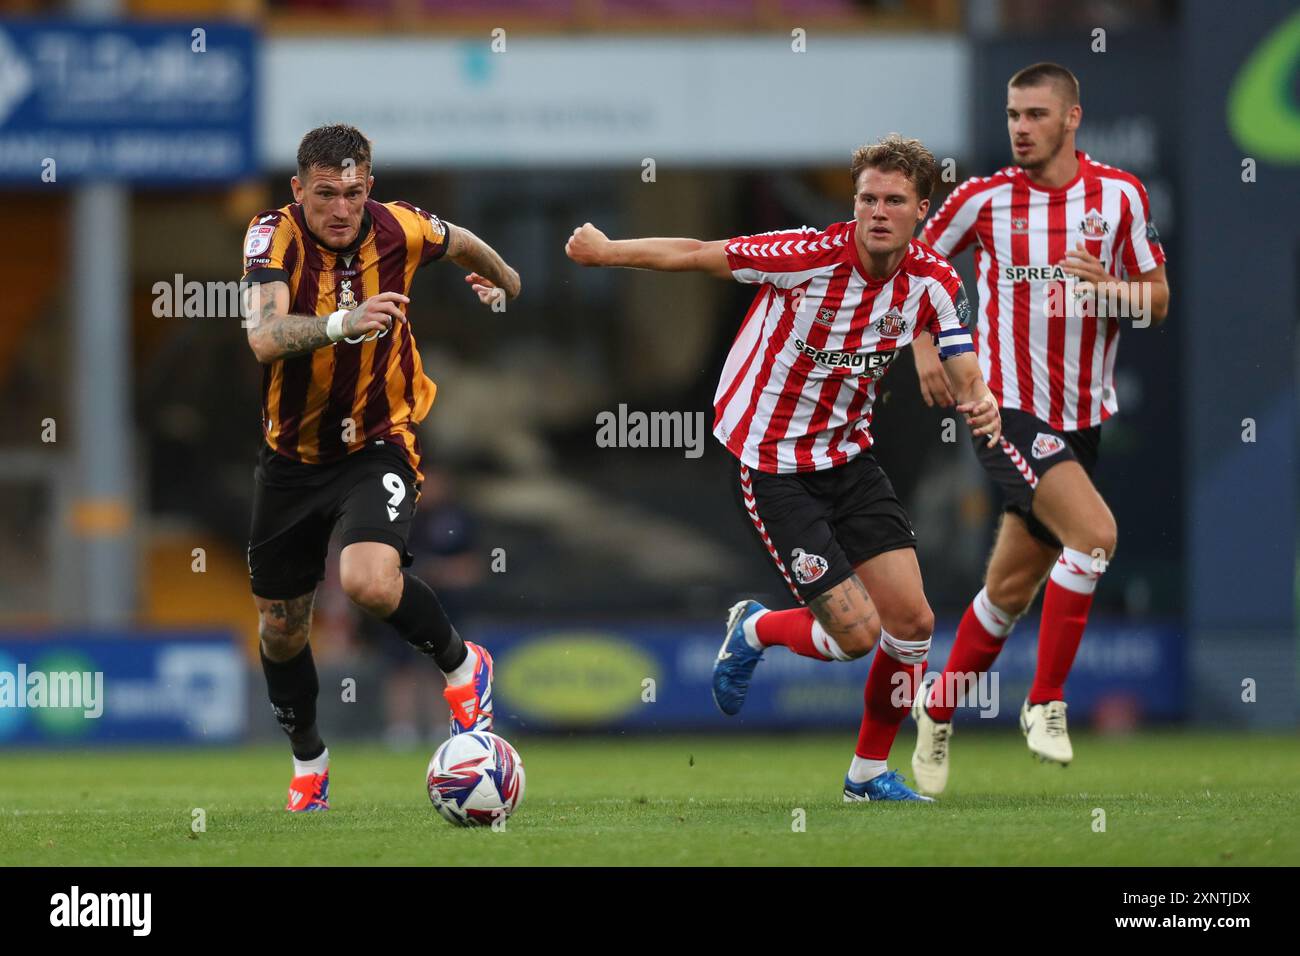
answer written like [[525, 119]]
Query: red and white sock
[[980, 637], [891, 686], [1066, 601], [796, 629]]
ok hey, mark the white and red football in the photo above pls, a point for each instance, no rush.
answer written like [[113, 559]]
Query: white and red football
[[476, 779]]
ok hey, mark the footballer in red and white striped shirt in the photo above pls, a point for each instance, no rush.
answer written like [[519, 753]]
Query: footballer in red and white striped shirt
[[794, 406], [1057, 367], [1064, 249], [797, 389]]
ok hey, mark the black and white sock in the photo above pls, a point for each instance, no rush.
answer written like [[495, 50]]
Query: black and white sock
[[423, 624], [293, 687]]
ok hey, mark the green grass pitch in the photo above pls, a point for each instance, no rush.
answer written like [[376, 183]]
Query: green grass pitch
[[1168, 798]]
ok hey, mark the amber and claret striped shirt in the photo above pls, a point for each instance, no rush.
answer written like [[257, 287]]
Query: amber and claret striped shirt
[[375, 380]]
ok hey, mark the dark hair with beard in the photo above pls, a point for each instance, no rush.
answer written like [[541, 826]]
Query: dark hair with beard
[[336, 146], [896, 154], [1042, 73]]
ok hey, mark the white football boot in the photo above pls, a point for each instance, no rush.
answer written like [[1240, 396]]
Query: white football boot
[[930, 758], [1044, 728]]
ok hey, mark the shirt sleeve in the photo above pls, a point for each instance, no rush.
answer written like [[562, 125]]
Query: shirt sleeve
[[952, 228], [951, 322], [429, 235], [786, 258], [1140, 250], [270, 248]]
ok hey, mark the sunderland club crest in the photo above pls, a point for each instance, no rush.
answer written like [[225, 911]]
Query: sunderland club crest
[[1093, 226], [892, 323], [1045, 446], [825, 316], [807, 567]]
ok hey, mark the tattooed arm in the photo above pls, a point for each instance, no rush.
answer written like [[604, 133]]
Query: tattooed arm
[[487, 270], [275, 334], [272, 332]]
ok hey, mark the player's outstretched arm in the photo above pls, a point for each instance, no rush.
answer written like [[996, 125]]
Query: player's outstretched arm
[[488, 272], [974, 400], [275, 334], [589, 246]]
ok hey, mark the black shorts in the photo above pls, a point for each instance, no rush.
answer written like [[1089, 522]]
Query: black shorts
[[819, 525], [1029, 448], [370, 495]]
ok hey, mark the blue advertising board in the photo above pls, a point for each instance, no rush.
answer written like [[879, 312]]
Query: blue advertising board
[[657, 677], [91, 689], [150, 103]]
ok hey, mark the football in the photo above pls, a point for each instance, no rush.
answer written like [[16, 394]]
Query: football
[[476, 779]]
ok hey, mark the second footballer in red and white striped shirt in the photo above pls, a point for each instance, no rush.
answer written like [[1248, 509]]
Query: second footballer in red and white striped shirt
[[794, 406], [1064, 248]]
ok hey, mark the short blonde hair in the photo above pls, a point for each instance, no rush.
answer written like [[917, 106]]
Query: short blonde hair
[[895, 153]]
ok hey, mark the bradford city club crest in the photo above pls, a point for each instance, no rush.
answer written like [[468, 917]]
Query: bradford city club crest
[[892, 323], [1093, 226], [825, 316], [347, 300], [807, 567]]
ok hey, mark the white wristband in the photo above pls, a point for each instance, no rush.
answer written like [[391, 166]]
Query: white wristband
[[334, 327]]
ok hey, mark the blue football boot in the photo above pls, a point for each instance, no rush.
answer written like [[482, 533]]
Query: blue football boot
[[736, 660], [887, 786]]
